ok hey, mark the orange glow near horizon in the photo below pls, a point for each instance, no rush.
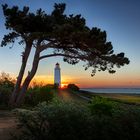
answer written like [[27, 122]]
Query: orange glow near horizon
[[63, 86], [43, 80], [89, 82]]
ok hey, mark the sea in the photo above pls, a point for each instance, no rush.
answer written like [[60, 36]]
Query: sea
[[113, 90]]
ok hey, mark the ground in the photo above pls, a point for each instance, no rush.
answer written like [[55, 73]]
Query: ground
[[7, 124]]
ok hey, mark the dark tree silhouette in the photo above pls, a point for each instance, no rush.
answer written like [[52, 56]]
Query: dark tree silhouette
[[67, 36]]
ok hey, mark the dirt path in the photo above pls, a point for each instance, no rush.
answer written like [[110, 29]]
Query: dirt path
[[7, 124], [68, 96]]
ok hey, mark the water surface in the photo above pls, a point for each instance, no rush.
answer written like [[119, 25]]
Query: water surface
[[113, 90]]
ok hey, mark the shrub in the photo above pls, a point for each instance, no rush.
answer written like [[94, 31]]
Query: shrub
[[69, 121], [101, 106], [73, 87], [58, 120], [6, 88], [127, 123], [56, 86], [38, 94]]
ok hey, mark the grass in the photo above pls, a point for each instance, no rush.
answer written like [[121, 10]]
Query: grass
[[128, 98], [123, 98]]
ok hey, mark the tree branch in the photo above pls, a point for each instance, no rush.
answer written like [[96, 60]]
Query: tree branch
[[49, 45], [59, 54]]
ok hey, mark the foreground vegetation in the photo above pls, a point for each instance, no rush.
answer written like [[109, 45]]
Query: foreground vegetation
[[34, 95], [100, 119], [46, 116], [6, 87]]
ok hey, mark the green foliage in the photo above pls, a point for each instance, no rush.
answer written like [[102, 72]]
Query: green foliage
[[38, 94], [6, 88], [66, 120], [56, 86], [101, 106], [69, 121], [127, 124], [68, 35], [73, 87], [58, 120]]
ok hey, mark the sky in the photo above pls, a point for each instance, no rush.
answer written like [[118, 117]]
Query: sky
[[119, 18]]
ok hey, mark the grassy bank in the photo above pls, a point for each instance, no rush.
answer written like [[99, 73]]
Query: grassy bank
[[122, 98]]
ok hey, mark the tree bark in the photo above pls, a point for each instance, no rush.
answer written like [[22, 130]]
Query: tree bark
[[25, 57], [20, 97]]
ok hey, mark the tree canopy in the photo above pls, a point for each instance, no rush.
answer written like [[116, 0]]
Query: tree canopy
[[67, 35]]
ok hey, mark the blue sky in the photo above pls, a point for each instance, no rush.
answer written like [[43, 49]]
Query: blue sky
[[120, 19]]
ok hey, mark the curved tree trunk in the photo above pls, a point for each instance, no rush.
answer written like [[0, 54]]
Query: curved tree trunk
[[28, 79], [25, 57]]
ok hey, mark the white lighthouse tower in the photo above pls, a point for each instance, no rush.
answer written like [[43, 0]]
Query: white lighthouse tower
[[57, 75]]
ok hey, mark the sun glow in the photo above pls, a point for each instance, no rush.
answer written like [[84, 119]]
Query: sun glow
[[64, 86]]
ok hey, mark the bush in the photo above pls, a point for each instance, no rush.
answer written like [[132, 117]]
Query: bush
[[127, 123], [73, 87], [68, 121], [101, 106], [38, 94], [6, 88], [58, 120]]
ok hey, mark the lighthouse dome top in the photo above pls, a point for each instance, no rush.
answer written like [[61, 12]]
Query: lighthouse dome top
[[57, 63], [57, 66]]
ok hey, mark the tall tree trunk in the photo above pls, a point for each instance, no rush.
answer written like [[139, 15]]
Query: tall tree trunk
[[25, 57], [28, 79]]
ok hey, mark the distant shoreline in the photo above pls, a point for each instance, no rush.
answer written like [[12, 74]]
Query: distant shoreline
[[84, 91], [112, 90]]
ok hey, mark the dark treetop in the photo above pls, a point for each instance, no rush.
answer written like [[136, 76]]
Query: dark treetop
[[67, 35]]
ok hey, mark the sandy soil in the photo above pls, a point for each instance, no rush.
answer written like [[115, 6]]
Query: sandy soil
[[7, 124]]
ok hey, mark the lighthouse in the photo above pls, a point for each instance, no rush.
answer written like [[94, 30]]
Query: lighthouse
[[57, 75]]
